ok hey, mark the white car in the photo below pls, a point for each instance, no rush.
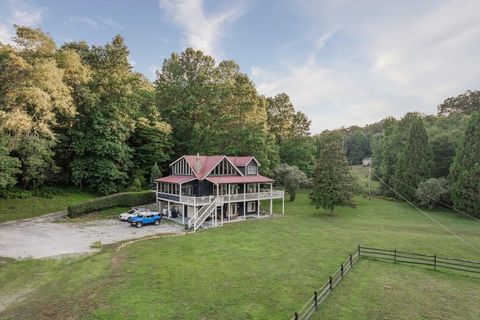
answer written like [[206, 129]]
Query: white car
[[131, 213]]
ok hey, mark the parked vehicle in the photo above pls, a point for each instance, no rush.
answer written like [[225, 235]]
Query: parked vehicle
[[131, 213], [143, 218]]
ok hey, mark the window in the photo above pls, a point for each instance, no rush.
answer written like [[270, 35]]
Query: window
[[251, 170], [251, 206], [224, 168]]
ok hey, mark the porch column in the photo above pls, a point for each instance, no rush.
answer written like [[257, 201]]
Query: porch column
[[221, 213], [258, 200], [229, 211], [271, 198]]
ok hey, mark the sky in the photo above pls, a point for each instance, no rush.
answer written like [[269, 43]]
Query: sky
[[342, 62]]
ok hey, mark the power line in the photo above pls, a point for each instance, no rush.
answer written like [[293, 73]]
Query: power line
[[441, 202], [428, 216], [466, 192]]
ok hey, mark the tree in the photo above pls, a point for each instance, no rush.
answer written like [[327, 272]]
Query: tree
[[102, 159], [35, 102], [357, 147], [283, 121], [291, 178], [151, 144], [332, 181], [210, 107], [431, 191], [465, 103], [187, 97], [464, 177], [300, 152], [416, 161], [9, 166], [155, 173]]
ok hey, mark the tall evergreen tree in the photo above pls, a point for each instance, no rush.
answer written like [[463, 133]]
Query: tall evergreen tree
[[333, 183], [416, 161], [464, 177]]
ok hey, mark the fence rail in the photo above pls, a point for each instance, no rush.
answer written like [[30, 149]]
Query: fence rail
[[434, 261], [323, 292]]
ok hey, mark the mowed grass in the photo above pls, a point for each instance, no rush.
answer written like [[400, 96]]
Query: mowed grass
[[14, 209], [383, 290], [361, 174], [261, 269]]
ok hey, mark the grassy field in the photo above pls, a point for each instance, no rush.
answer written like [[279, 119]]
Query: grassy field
[[397, 291], [263, 269], [13, 209], [361, 173]]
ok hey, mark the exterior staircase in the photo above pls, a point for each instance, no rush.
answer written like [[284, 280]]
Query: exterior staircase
[[197, 220]]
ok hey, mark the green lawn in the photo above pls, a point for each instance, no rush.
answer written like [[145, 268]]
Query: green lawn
[[264, 269], [361, 173], [13, 209], [397, 291]]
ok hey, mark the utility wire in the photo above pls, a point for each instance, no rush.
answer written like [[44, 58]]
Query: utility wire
[[441, 202], [428, 216], [466, 192]]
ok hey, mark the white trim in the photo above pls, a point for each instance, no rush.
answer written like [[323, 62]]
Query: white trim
[[224, 157]]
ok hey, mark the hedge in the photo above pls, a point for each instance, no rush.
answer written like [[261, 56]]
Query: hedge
[[124, 199]]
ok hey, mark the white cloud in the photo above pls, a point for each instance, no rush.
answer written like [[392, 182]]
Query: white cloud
[[389, 59], [201, 30], [21, 13], [95, 23]]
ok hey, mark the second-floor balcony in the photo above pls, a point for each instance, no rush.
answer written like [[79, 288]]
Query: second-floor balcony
[[264, 194]]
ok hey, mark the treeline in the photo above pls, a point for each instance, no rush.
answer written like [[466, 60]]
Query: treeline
[[80, 115], [431, 160]]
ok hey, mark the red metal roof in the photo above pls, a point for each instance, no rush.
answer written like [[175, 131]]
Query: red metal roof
[[241, 161], [238, 179], [176, 179]]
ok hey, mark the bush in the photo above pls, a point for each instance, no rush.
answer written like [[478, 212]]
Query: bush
[[14, 193], [432, 191], [124, 199]]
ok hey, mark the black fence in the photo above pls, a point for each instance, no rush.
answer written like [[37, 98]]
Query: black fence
[[435, 261], [321, 294]]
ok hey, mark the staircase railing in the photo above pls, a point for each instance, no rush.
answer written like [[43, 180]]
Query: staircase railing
[[197, 220]]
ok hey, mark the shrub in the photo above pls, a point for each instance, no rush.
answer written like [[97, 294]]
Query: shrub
[[124, 199], [431, 191], [14, 193]]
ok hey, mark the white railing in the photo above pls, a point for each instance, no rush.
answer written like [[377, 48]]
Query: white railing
[[265, 194], [197, 220], [252, 196]]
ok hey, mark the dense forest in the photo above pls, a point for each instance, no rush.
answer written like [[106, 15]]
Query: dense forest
[[78, 114]]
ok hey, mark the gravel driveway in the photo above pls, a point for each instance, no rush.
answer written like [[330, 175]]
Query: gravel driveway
[[41, 237]]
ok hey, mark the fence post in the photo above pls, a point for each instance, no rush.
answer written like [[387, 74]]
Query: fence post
[[351, 262], [296, 316], [435, 261], [341, 269], [330, 282], [316, 299], [359, 251], [395, 256]]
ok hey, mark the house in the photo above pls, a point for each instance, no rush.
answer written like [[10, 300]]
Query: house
[[366, 162], [215, 188]]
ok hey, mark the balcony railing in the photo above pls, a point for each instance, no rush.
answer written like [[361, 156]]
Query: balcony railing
[[200, 201]]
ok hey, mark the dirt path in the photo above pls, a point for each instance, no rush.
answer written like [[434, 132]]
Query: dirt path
[[41, 237]]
